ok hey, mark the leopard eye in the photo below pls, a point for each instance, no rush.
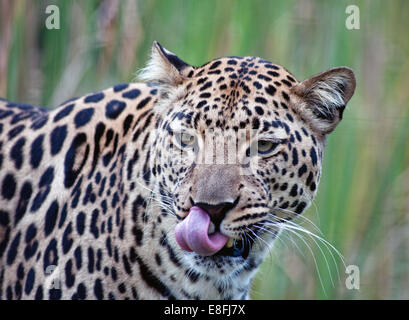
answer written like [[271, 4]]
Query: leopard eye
[[185, 139], [266, 146]]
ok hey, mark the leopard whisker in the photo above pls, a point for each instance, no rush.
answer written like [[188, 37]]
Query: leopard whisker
[[293, 227], [296, 215]]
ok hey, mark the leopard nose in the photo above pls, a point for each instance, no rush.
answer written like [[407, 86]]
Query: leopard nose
[[217, 212]]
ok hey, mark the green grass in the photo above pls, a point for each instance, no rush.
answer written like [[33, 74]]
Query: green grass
[[363, 201]]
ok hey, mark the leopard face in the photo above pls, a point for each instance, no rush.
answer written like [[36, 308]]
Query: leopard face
[[241, 140]]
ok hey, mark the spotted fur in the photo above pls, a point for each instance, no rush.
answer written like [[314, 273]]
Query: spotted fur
[[91, 191]]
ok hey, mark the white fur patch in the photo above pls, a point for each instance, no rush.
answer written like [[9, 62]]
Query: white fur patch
[[326, 96], [158, 69]]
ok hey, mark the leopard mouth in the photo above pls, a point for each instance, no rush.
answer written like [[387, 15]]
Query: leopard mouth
[[196, 233], [235, 248]]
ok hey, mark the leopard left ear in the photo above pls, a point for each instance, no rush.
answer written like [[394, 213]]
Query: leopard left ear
[[322, 98], [164, 67]]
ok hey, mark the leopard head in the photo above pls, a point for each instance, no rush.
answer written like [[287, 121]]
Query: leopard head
[[238, 151]]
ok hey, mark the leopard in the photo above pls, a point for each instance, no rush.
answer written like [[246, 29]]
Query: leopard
[[174, 186]]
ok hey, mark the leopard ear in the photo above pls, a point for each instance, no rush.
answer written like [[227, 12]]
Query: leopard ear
[[322, 98], [164, 67]]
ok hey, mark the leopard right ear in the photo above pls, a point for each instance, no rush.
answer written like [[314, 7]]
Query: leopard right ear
[[322, 98], [164, 67]]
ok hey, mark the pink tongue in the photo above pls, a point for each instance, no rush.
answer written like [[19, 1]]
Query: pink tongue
[[191, 234]]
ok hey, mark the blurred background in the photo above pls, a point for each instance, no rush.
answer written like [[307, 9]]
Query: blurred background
[[363, 201]]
